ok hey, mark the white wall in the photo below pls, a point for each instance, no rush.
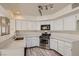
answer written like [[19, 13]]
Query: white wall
[[7, 13]]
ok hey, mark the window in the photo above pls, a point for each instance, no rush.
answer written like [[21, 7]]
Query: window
[[4, 26]]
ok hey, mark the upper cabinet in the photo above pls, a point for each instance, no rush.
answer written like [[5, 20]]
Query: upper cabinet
[[58, 25], [37, 26], [27, 25], [24, 25], [70, 23], [18, 25], [66, 23], [52, 25]]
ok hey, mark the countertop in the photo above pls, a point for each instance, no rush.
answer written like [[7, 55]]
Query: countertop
[[69, 36], [5, 37], [65, 37]]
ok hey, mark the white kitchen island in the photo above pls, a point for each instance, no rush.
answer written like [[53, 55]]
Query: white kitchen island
[[65, 44], [31, 41]]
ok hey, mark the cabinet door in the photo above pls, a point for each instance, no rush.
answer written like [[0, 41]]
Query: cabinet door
[[68, 49], [52, 25], [58, 25], [61, 47], [24, 25], [18, 25], [29, 42], [53, 44], [35, 41], [37, 25], [32, 41], [70, 23]]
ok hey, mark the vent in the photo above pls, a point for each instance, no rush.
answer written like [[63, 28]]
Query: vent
[[74, 5]]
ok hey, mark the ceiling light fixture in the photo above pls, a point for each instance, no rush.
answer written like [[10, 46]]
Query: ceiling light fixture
[[44, 7]]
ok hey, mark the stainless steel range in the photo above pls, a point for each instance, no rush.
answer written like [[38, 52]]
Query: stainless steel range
[[44, 40]]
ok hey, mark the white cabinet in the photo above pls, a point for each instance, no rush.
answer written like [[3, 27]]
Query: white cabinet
[[67, 48], [64, 48], [37, 25], [24, 25], [31, 41], [53, 44], [27, 25], [58, 25], [70, 23], [61, 47], [35, 41], [52, 25], [18, 25], [28, 42]]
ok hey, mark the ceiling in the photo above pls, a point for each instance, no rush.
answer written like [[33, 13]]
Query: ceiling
[[31, 9]]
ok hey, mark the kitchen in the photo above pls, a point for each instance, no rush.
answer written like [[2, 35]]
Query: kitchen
[[58, 31]]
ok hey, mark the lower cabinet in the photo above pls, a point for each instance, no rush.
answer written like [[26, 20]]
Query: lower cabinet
[[68, 48], [62, 47], [53, 44], [35, 41], [67, 51], [32, 41]]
